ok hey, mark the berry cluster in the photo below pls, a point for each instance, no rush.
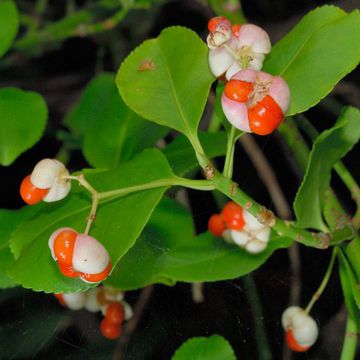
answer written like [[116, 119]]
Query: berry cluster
[[238, 226], [301, 329], [253, 101], [78, 255], [105, 299]]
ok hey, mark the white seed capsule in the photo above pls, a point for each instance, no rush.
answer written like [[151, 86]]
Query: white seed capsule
[[255, 246], [74, 301], [91, 303], [90, 256]]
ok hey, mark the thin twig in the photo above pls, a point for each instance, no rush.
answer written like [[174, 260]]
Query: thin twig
[[133, 323]]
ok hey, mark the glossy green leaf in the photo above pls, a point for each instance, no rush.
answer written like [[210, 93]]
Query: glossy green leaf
[[214, 347], [328, 148], [9, 220], [316, 54], [169, 252], [23, 117], [9, 24], [112, 133], [181, 156], [167, 80], [118, 222]]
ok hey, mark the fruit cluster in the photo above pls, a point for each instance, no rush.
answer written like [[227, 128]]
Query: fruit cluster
[[238, 226], [301, 329], [105, 299], [252, 101], [79, 255]]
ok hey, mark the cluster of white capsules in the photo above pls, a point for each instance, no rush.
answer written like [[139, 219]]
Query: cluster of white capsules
[[301, 330], [109, 301], [252, 101], [238, 226], [78, 255]]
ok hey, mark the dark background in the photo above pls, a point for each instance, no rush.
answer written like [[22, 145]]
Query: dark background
[[59, 72]]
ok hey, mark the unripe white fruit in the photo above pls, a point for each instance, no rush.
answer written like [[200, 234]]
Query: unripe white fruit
[[51, 174], [255, 246], [90, 256], [127, 310], [302, 325], [74, 301], [91, 303], [227, 236]]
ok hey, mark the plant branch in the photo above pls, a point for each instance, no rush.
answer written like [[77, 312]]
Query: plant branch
[[262, 344], [233, 135], [350, 341], [324, 282]]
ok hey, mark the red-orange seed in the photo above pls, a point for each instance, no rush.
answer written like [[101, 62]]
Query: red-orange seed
[[293, 344], [115, 313], [235, 29], [64, 247], [30, 193], [216, 225], [68, 271], [232, 214], [265, 116], [214, 22], [60, 298], [109, 330], [94, 278], [238, 90]]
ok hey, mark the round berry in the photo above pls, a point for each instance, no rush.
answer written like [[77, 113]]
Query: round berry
[[115, 313], [293, 344], [30, 193], [232, 214], [215, 21], [109, 330], [216, 225]]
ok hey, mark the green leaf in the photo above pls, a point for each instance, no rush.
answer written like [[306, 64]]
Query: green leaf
[[169, 252], [214, 347], [167, 80], [9, 24], [316, 54], [328, 148], [112, 133], [119, 222], [181, 156], [9, 220], [23, 117]]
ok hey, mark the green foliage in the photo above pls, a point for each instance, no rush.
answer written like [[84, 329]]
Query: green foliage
[[111, 132], [328, 148], [23, 117], [9, 24], [118, 224], [168, 252], [180, 153], [214, 347], [9, 220], [316, 54], [173, 69]]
